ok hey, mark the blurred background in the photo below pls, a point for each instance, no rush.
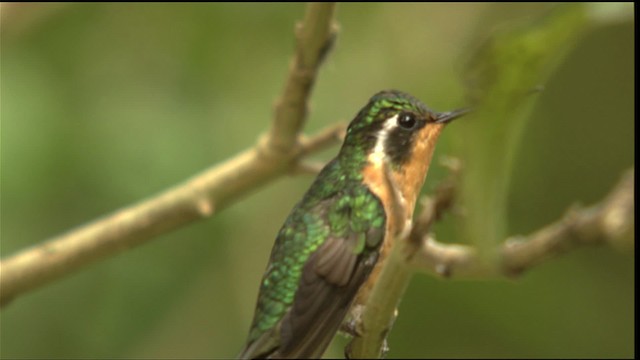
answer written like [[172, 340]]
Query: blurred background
[[103, 105]]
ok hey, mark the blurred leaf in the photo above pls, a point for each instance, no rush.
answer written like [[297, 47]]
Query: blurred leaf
[[502, 76]]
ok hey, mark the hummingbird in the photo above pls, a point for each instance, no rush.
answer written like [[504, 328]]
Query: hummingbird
[[330, 249]]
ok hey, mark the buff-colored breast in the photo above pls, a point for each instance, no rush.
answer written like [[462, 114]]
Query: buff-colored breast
[[398, 191]]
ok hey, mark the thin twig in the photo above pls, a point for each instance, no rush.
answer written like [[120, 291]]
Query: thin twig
[[308, 167], [610, 221], [199, 197], [333, 133]]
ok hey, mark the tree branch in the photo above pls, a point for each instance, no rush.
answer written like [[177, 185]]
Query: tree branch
[[610, 221], [203, 195], [315, 37]]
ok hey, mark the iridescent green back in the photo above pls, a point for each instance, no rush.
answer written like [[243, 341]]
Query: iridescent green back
[[320, 213]]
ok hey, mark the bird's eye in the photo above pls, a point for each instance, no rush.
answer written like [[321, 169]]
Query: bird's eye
[[407, 121]]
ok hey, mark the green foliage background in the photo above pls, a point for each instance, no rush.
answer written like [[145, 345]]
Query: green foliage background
[[103, 105]]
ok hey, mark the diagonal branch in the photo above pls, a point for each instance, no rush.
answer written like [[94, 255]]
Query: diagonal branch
[[205, 194], [315, 37], [611, 221]]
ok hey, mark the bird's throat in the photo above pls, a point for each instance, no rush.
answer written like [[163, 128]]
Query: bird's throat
[[398, 186]]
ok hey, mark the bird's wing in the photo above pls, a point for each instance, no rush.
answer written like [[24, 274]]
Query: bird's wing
[[329, 279]]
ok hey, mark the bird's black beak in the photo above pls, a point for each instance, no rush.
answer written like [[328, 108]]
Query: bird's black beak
[[445, 117]]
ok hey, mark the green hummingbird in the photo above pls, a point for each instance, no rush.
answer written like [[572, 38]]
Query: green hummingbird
[[330, 249]]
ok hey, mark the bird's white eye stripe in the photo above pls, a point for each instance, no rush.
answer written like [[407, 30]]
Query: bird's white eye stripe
[[388, 125]]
